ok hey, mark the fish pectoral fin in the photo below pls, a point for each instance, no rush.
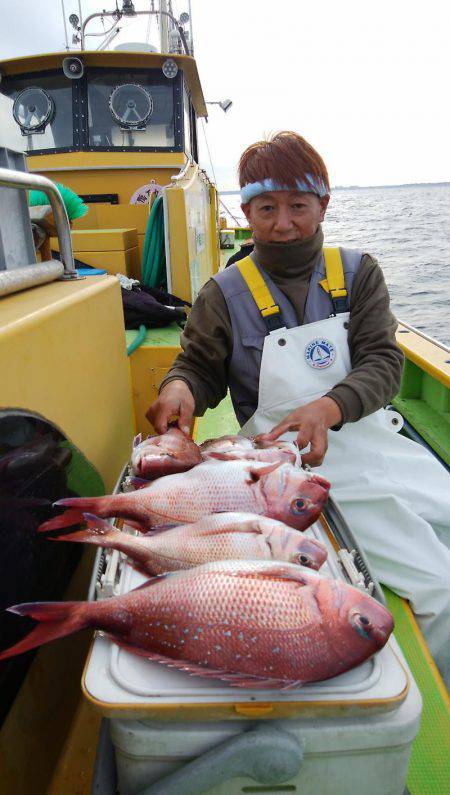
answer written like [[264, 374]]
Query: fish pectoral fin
[[277, 571], [249, 526], [233, 679], [224, 456], [258, 472]]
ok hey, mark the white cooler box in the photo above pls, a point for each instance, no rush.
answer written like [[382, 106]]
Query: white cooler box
[[354, 732]]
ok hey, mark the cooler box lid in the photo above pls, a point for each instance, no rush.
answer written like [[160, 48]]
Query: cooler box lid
[[121, 684]]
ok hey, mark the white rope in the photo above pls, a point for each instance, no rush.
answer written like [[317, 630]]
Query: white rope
[[236, 220], [209, 153]]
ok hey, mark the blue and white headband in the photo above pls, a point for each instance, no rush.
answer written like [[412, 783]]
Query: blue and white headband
[[308, 185]]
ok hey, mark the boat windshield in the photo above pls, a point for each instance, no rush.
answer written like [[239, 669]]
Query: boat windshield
[[130, 110], [42, 109]]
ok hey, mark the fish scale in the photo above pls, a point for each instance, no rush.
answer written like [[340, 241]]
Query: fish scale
[[280, 491], [224, 536], [249, 600], [252, 623]]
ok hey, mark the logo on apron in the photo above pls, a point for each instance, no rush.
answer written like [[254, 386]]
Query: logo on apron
[[320, 354]]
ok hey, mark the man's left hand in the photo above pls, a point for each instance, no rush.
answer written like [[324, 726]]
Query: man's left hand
[[312, 423]]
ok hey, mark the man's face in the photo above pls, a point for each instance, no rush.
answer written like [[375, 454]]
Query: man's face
[[285, 216]]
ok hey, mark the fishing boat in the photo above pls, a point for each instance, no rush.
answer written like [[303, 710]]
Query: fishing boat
[[119, 127]]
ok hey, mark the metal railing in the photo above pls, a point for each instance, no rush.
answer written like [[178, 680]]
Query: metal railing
[[117, 16], [422, 334], [20, 179]]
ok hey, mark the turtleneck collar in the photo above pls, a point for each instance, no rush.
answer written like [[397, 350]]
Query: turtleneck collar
[[289, 259]]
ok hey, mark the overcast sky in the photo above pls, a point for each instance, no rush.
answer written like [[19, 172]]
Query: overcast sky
[[365, 82]]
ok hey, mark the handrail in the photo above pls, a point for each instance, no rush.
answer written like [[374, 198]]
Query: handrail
[[427, 337], [117, 16], [22, 179], [181, 174]]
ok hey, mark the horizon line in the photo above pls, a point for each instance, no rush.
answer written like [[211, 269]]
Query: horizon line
[[366, 187]]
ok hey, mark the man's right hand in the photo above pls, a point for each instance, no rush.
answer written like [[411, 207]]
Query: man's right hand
[[175, 400]]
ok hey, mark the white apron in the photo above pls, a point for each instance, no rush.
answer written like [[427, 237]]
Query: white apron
[[388, 487]]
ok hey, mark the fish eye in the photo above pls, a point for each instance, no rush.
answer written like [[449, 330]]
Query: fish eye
[[299, 506], [303, 559], [361, 624]]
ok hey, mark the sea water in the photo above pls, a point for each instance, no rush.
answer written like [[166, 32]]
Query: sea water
[[407, 229]]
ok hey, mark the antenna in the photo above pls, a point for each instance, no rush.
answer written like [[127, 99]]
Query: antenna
[[65, 24]]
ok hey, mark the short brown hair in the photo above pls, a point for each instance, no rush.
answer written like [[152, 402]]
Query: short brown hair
[[284, 157]]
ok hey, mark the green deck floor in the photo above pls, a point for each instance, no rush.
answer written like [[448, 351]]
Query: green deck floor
[[429, 769]]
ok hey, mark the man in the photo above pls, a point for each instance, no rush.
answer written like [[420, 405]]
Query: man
[[304, 339]]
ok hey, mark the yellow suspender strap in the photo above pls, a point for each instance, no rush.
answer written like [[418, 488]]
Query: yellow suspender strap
[[334, 283], [257, 286]]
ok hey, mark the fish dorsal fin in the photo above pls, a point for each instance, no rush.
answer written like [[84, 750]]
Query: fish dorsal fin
[[137, 440], [258, 472], [153, 580]]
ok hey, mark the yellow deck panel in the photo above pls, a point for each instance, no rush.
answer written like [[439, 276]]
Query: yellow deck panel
[[149, 366], [123, 181], [126, 262], [102, 239], [63, 356], [429, 357], [114, 216]]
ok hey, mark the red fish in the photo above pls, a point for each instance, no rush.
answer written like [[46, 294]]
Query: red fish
[[254, 624], [221, 536], [241, 448], [279, 491], [167, 454]]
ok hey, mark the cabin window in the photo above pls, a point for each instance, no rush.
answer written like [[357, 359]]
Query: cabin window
[[131, 110], [41, 106]]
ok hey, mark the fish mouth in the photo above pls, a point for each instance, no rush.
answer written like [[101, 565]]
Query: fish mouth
[[320, 481]]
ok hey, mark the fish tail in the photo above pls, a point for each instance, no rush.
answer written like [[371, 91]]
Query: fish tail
[[63, 520], [98, 532], [100, 506], [103, 506], [127, 505], [57, 619]]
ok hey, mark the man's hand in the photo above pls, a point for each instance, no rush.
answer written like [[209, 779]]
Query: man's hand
[[312, 422], [175, 400]]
